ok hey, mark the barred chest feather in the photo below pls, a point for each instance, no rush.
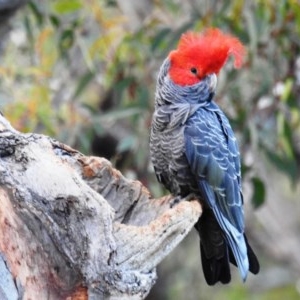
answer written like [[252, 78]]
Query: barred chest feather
[[167, 147], [174, 105]]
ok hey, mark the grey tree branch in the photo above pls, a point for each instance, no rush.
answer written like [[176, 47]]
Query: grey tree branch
[[72, 227]]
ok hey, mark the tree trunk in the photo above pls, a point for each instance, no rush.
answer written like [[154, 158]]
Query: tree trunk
[[72, 227]]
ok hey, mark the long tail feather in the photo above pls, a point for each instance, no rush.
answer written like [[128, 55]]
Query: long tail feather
[[214, 250]]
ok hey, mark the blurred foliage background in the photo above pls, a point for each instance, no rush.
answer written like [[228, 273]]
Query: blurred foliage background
[[84, 71]]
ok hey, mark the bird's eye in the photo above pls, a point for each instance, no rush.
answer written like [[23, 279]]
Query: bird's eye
[[194, 70]]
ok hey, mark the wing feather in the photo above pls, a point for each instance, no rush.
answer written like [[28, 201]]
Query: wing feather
[[213, 156]]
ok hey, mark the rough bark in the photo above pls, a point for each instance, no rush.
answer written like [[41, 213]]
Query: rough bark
[[72, 227]]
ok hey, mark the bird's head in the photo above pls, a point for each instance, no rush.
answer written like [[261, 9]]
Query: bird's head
[[201, 54]]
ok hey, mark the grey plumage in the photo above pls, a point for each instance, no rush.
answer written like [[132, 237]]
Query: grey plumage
[[172, 110], [193, 150]]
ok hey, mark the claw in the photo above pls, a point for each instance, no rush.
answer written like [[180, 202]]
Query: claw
[[179, 198]]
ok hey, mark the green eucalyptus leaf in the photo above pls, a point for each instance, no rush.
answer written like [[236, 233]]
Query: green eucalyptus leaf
[[160, 38], [83, 83], [36, 12], [283, 164], [259, 192], [67, 6]]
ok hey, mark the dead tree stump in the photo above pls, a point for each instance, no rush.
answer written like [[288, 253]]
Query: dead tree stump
[[72, 227]]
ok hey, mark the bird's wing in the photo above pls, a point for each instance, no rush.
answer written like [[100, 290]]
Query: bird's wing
[[213, 157]]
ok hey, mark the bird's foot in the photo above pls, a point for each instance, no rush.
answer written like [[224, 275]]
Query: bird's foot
[[179, 198]]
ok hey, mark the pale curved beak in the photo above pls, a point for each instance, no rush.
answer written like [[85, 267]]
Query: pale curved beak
[[213, 82]]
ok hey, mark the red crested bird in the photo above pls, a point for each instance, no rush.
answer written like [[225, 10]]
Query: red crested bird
[[194, 150]]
